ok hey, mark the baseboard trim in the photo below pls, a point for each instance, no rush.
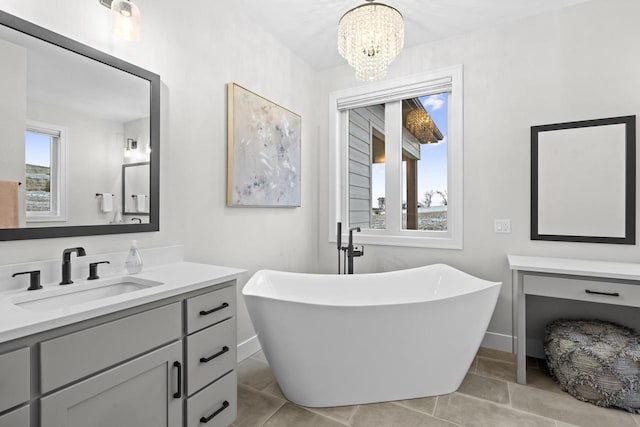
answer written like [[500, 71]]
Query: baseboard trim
[[496, 341], [247, 348]]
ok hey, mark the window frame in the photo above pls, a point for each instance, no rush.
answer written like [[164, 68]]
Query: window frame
[[391, 93], [58, 187]]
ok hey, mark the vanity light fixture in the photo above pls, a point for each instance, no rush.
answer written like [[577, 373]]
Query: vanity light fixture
[[370, 36], [131, 145], [126, 18]]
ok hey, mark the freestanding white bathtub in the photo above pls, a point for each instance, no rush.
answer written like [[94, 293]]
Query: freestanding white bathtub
[[334, 340]]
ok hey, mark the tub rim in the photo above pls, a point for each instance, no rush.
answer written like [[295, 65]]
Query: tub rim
[[485, 285]]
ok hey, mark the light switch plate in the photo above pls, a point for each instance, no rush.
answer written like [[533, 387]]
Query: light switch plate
[[502, 226]]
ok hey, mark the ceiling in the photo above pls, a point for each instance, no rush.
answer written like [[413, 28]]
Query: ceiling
[[309, 28]]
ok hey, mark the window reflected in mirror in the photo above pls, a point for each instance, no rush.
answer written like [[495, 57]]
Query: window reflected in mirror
[[45, 172]]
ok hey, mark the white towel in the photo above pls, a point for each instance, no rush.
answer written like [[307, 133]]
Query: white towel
[[141, 202], [106, 204]]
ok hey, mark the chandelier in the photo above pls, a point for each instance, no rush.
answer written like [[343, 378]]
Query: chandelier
[[370, 37], [421, 125]]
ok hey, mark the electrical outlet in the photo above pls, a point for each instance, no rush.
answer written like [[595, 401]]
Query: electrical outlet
[[502, 226]]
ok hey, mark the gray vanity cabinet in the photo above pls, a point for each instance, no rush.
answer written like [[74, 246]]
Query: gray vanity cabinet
[[160, 364], [143, 393], [14, 387], [211, 359], [16, 418], [14, 378]]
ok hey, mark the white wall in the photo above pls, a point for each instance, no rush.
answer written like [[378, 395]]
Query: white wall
[[197, 49], [574, 64]]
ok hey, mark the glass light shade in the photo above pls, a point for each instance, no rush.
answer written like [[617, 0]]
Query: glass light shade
[[370, 37], [126, 20], [421, 125]]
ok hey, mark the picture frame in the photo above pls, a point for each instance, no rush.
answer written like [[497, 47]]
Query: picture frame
[[583, 181], [263, 151]]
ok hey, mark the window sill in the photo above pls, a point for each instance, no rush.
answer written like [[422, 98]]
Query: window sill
[[407, 238]]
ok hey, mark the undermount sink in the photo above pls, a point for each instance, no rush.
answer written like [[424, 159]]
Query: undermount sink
[[81, 292]]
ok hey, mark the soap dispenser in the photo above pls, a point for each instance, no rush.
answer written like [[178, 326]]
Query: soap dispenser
[[134, 260]]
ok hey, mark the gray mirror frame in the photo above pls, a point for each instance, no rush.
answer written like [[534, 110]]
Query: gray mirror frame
[[630, 181], [111, 61]]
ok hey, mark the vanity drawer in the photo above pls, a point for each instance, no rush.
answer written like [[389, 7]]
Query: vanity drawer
[[211, 401], [14, 378], [210, 308], [210, 354], [17, 418], [106, 345], [583, 290]]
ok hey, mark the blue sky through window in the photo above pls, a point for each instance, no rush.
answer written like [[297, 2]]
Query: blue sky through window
[[38, 149]]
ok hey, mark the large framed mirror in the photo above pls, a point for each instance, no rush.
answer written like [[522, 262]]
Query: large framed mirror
[[70, 118], [583, 181]]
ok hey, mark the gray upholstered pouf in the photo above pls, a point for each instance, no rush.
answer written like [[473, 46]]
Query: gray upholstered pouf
[[595, 361]]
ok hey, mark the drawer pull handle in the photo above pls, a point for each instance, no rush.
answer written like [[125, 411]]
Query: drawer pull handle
[[205, 420], [178, 394], [210, 358], [213, 310], [609, 294]]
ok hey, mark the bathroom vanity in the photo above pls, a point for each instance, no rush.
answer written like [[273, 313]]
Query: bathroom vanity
[[163, 355], [599, 282]]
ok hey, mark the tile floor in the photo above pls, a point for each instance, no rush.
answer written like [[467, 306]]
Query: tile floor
[[488, 397]]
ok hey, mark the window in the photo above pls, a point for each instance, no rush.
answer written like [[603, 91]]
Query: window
[[396, 169], [45, 172]]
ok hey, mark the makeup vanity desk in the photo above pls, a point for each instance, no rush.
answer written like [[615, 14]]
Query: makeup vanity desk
[[621, 288]]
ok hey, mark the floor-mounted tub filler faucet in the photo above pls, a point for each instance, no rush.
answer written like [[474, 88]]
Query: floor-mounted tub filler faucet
[[66, 264], [350, 251]]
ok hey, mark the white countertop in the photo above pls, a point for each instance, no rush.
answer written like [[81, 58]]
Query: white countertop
[[576, 267], [177, 278]]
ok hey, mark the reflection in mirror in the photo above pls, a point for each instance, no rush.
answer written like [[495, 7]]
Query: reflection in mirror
[[135, 187], [71, 118]]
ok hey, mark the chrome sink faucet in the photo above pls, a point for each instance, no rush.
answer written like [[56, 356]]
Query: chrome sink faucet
[[66, 263]]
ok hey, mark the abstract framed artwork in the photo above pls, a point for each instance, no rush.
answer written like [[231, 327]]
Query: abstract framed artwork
[[263, 151]]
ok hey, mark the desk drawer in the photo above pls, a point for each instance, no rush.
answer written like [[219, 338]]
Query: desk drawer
[[583, 290], [14, 378], [210, 354], [80, 354], [210, 403], [213, 307]]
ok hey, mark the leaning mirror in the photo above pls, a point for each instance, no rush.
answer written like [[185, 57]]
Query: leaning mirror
[[583, 181], [71, 117]]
